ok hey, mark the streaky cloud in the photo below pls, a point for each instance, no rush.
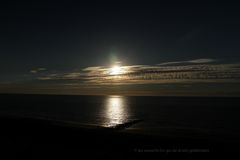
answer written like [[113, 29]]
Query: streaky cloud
[[194, 61], [193, 71], [37, 70], [202, 60]]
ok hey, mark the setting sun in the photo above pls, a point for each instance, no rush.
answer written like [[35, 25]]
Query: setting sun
[[116, 70]]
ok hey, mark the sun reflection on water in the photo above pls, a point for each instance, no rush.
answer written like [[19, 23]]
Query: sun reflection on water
[[115, 111]]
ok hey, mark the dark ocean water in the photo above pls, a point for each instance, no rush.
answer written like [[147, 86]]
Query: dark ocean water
[[159, 115]]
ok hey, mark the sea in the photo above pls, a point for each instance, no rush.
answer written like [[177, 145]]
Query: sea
[[178, 116]]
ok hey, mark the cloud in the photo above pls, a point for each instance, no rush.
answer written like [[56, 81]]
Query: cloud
[[202, 61], [193, 71], [37, 70], [194, 61], [33, 71]]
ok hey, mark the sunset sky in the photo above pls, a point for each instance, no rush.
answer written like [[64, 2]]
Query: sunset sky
[[121, 48]]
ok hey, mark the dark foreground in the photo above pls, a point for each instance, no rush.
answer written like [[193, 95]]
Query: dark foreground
[[41, 139]]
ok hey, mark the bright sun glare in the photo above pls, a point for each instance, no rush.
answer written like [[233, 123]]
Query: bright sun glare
[[115, 70]]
